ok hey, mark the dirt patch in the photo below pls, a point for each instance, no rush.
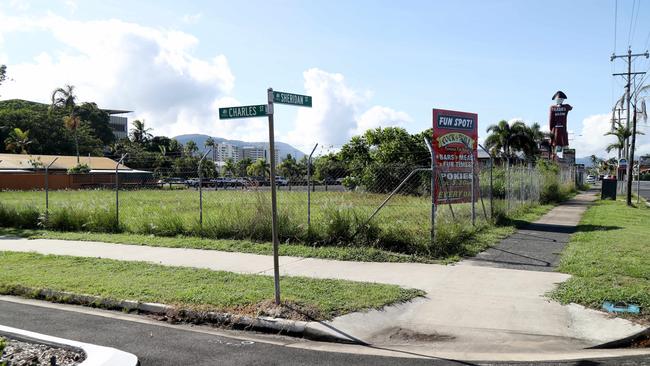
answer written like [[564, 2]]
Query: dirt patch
[[286, 310], [410, 336], [229, 316]]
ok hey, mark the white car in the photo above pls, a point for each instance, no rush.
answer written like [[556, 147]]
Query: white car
[[590, 179]]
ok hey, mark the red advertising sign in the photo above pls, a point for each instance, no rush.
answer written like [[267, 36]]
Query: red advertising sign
[[455, 145]]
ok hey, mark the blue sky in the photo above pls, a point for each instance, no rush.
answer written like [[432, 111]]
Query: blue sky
[[371, 63]]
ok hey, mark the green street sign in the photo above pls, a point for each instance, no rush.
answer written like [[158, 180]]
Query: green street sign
[[246, 111], [293, 99]]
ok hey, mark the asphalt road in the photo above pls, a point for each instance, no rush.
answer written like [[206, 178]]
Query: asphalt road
[[644, 189], [156, 344]]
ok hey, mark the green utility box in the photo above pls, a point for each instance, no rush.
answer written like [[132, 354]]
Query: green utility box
[[608, 189]]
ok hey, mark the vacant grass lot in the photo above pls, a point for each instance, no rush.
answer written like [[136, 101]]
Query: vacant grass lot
[[609, 257], [338, 229], [190, 288]]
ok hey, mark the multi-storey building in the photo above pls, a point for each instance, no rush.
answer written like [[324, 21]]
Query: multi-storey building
[[119, 125]]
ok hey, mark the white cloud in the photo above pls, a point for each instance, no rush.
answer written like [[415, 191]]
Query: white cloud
[[192, 18], [128, 66], [338, 113], [379, 116], [592, 139], [155, 73]]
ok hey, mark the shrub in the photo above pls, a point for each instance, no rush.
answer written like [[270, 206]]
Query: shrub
[[79, 169], [23, 217]]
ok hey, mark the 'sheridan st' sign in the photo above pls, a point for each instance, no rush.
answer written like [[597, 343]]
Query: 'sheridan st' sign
[[455, 144]]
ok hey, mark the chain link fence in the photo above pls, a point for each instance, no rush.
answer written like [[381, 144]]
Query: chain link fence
[[387, 206]]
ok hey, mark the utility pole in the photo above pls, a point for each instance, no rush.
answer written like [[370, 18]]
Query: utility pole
[[629, 56]]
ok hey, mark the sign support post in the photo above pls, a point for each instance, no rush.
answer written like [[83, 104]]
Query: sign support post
[[274, 203], [262, 110], [433, 190]]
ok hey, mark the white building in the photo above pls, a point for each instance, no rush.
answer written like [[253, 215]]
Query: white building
[[223, 152], [256, 153]]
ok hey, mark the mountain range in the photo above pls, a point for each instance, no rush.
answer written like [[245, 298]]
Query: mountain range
[[282, 147]]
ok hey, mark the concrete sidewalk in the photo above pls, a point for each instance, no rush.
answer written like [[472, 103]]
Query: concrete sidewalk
[[537, 246], [470, 312]]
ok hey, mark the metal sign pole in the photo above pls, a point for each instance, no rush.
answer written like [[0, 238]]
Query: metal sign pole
[[309, 188], [274, 206]]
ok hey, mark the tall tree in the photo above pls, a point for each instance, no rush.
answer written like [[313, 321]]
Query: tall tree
[[18, 141], [290, 168], [622, 133], [3, 73], [98, 121], [260, 168], [230, 168], [507, 139], [242, 166], [64, 98], [140, 134], [191, 148], [210, 143]]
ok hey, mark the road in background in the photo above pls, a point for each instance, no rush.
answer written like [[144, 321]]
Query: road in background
[[644, 190]]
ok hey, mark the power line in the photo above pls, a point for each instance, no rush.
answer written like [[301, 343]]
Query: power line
[[636, 19], [615, 24], [629, 33]]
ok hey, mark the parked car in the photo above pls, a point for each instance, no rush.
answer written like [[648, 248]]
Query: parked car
[[590, 179], [281, 181]]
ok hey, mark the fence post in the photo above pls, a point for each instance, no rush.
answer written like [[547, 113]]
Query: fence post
[[433, 188], [200, 171], [474, 179], [309, 188], [47, 188], [117, 191]]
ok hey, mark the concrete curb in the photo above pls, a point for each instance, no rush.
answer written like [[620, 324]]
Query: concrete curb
[[625, 342], [95, 355], [312, 330]]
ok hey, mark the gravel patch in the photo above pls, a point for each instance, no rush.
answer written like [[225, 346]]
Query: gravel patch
[[19, 353]]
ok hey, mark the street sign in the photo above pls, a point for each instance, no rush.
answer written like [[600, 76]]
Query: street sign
[[246, 111], [293, 99], [622, 163]]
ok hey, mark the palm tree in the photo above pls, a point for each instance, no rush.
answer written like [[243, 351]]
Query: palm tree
[[18, 141], [230, 168], [140, 134], [191, 148], [259, 168], [506, 139], [64, 98], [621, 133], [211, 143]]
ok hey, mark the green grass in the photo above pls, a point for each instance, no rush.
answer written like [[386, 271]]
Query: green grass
[[480, 240], [609, 257], [400, 232], [188, 287]]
